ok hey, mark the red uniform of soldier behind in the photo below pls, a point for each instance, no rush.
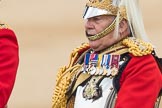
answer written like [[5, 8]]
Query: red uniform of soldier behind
[[9, 59]]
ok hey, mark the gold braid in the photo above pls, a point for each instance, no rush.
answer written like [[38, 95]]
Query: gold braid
[[64, 78], [137, 47]]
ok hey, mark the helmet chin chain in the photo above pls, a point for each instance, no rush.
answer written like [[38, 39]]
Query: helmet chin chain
[[106, 31]]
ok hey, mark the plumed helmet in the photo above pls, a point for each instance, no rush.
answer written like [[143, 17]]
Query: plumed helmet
[[122, 9]]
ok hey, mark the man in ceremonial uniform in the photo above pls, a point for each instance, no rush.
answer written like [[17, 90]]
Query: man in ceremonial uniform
[[117, 68], [8, 63]]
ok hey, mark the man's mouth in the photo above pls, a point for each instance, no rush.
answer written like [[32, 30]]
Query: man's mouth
[[89, 35]]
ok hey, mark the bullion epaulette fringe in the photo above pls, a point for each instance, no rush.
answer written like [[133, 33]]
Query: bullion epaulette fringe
[[65, 76], [137, 47]]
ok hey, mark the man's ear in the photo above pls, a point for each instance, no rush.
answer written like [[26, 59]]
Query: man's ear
[[123, 26]]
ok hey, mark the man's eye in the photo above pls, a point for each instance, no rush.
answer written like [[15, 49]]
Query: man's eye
[[97, 18]]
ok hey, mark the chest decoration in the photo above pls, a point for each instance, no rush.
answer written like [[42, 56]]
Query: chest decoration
[[92, 89], [98, 64]]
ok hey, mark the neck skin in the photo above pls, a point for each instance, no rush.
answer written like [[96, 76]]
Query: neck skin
[[111, 48]]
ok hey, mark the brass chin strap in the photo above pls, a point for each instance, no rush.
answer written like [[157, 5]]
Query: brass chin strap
[[106, 31]]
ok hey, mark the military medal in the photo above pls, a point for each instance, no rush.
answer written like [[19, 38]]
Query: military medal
[[106, 63], [92, 70], [99, 67], [94, 58], [108, 72], [115, 64], [97, 64], [86, 62], [91, 63]]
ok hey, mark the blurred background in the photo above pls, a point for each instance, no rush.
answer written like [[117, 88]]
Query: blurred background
[[47, 31]]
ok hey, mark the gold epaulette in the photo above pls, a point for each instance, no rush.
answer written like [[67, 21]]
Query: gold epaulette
[[65, 76], [4, 25], [137, 47]]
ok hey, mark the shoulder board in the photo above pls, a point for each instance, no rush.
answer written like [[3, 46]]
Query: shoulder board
[[137, 47]]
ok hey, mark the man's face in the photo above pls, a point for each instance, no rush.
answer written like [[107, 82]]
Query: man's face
[[96, 25]]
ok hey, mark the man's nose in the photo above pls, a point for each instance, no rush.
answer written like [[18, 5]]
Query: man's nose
[[89, 24]]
